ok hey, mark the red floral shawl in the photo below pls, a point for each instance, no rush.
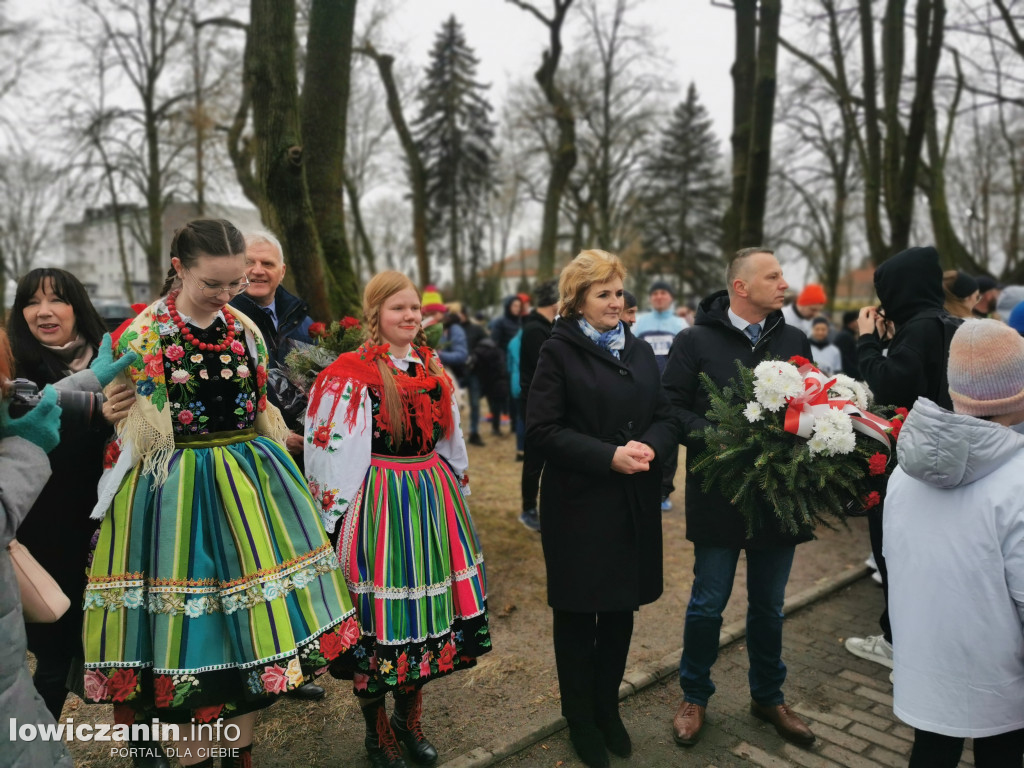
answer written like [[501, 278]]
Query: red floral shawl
[[360, 367]]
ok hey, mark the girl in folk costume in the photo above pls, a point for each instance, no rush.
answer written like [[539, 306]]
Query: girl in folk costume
[[213, 588], [386, 460]]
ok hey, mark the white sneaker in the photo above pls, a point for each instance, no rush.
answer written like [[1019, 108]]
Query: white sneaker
[[874, 648], [870, 562], [877, 578]]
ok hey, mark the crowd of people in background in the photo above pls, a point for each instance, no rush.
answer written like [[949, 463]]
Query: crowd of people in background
[[232, 537]]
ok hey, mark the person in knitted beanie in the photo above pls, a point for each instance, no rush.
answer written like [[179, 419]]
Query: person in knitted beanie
[[954, 541], [808, 305]]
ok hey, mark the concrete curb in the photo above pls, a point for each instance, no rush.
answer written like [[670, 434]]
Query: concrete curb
[[636, 680]]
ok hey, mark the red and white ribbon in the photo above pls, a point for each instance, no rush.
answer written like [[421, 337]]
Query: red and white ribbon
[[804, 408]]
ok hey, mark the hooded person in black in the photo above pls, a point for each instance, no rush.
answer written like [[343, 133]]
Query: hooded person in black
[[502, 329], [909, 287]]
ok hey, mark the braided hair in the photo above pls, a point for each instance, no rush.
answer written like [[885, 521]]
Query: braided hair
[[201, 237], [381, 287]]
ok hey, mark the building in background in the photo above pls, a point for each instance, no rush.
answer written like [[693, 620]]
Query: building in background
[[91, 250]]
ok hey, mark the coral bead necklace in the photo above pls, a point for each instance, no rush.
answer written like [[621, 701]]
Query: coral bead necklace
[[190, 337]]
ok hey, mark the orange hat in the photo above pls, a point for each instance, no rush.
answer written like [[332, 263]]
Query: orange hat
[[812, 294]]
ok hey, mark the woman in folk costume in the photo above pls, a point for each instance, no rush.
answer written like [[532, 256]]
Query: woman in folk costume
[[386, 460], [213, 588]]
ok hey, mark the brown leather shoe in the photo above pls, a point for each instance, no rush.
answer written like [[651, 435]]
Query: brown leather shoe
[[787, 724], [687, 723]]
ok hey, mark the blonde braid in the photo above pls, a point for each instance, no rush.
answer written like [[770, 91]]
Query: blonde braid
[[390, 397], [435, 368]]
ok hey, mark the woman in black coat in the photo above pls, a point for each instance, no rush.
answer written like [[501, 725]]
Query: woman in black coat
[[600, 420], [55, 331]]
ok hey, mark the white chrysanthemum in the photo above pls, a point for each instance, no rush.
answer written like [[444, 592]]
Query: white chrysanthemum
[[773, 400], [817, 444], [843, 443], [767, 369], [753, 412], [840, 392]]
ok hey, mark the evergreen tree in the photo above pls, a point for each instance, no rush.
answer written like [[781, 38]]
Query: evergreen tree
[[454, 133], [684, 198]]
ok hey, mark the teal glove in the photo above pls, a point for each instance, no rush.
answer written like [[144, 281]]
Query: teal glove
[[41, 425], [105, 366]]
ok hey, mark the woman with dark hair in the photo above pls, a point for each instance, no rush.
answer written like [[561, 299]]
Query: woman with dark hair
[[55, 332], [601, 422], [213, 588]]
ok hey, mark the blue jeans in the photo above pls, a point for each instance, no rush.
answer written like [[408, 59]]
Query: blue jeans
[[714, 570]]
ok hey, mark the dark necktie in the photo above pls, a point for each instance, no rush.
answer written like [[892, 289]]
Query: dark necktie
[[754, 332], [270, 313]]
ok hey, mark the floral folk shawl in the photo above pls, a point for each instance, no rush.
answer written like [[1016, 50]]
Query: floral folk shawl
[[146, 434], [418, 406]]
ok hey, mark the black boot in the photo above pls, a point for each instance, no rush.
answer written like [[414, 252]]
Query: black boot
[[406, 725], [588, 741], [381, 744], [616, 737]]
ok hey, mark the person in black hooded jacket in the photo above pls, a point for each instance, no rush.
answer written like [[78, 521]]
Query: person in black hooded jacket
[[744, 324], [502, 329], [909, 287]]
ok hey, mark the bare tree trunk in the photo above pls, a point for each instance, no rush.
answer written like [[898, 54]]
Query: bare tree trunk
[[417, 174], [744, 72], [904, 149], [324, 109], [564, 156], [762, 121], [280, 162], [361, 233]]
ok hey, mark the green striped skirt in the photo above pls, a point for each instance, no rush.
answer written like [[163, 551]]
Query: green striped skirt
[[415, 571], [215, 592]]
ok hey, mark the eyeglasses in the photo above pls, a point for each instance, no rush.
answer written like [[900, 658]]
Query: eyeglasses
[[212, 291]]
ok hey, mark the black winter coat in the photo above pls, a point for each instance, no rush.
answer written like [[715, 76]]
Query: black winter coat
[[58, 531], [712, 346], [601, 529], [909, 285], [536, 330], [293, 322]]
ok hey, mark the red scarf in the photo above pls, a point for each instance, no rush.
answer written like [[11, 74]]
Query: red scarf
[[360, 367]]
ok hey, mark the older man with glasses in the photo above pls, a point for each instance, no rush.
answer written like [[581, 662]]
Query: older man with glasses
[[281, 318]]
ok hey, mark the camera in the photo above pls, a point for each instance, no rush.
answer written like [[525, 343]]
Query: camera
[[79, 411]]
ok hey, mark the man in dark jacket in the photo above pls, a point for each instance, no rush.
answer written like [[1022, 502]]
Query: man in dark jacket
[[536, 330], [280, 316], [502, 329], [744, 323], [909, 287]]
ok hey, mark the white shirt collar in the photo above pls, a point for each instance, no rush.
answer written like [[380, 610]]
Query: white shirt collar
[[740, 323]]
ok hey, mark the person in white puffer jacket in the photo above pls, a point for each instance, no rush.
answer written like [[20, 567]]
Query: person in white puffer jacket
[[954, 525]]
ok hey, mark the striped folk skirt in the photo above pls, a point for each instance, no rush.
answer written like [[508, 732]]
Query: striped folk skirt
[[217, 591], [415, 571]]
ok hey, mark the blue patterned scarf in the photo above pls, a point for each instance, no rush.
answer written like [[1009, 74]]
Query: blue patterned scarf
[[612, 340]]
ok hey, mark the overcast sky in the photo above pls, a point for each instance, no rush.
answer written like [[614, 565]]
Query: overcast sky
[[694, 36]]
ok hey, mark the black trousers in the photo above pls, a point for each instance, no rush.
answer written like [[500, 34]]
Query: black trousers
[[590, 655], [50, 680], [933, 750], [669, 463], [875, 532], [533, 465]]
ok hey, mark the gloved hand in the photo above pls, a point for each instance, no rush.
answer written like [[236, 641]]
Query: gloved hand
[[105, 366], [41, 425]]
